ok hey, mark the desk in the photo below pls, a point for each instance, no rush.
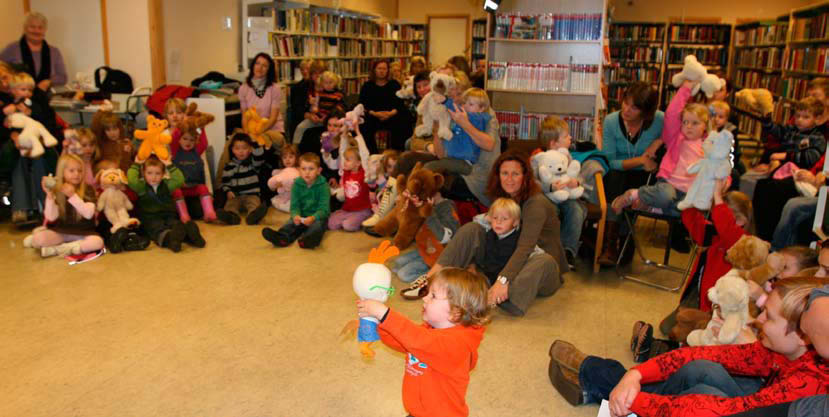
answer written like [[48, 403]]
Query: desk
[[81, 107]]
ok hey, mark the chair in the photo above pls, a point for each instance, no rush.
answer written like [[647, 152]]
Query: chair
[[597, 214]]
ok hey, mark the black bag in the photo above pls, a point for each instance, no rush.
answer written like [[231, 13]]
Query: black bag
[[116, 81]]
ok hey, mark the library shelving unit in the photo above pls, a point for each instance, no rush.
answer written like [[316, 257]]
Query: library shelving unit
[[478, 51], [807, 53], [545, 58], [710, 42], [637, 53]]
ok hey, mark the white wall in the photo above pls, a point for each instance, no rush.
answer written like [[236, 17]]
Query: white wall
[[11, 21], [129, 39]]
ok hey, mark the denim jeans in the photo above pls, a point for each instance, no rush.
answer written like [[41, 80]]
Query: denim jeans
[[662, 195], [796, 211], [308, 236], [598, 377], [409, 266], [27, 194], [572, 214]]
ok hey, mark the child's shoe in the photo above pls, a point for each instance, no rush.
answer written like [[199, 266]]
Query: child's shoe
[[228, 217], [135, 242], [181, 208], [194, 236], [175, 237], [207, 208], [417, 290], [371, 221], [641, 340], [566, 382], [625, 200], [69, 248], [257, 215], [116, 241], [567, 356], [276, 238]]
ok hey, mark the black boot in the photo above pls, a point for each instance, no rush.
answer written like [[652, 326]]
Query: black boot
[[228, 217], [116, 240], [135, 241], [275, 237], [194, 237], [175, 237], [257, 215]]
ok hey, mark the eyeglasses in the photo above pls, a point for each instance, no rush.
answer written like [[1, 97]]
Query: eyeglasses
[[389, 290]]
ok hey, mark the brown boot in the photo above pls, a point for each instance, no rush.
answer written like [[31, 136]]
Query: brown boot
[[567, 356], [566, 383], [610, 251]]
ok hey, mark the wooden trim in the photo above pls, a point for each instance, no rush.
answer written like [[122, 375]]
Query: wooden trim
[[157, 59], [27, 6], [467, 51], [694, 19], [105, 31]]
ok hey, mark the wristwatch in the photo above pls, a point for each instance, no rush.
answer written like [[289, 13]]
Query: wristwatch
[[503, 280]]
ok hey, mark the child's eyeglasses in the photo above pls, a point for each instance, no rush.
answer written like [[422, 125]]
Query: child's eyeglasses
[[389, 290]]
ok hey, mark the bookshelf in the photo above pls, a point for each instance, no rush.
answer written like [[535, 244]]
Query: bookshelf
[[709, 42], [637, 53], [545, 58]]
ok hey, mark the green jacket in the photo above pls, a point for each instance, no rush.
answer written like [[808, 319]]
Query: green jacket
[[155, 202], [310, 201]]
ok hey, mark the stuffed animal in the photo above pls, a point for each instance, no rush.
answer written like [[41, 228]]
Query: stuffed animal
[[254, 125], [375, 168], [711, 84], [406, 216], [330, 141], [153, 140], [31, 135], [758, 99], [354, 117], [693, 71], [194, 119], [433, 106], [281, 181], [553, 166], [371, 281], [715, 165], [71, 142], [112, 201], [407, 90], [730, 295]]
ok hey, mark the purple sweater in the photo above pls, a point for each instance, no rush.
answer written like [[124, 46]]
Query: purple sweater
[[12, 55], [272, 98]]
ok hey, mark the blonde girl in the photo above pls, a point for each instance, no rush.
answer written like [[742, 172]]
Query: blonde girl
[[322, 101], [355, 191], [174, 112], [283, 179], [69, 212], [90, 153]]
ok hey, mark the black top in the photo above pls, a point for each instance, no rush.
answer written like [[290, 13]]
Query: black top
[[497, 253], [376, 98]]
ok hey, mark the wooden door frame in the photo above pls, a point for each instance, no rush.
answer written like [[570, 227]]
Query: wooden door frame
[[467, 42], [157, 58]]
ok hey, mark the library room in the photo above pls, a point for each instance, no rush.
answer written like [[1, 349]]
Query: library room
[[429, 208]]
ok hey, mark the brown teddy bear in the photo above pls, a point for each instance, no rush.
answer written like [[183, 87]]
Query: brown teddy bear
[[194, 119], [412, 207]]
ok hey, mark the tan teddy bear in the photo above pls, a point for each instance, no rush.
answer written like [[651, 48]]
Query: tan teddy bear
[[112, 201], [758, 99], [254, 125], [153, 140], [729, 323]]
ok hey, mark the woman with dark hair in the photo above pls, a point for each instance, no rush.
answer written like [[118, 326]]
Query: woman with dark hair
[[42, 61], [460, 62], [384, 110], [528, 273], [262, 93], [630, 140]]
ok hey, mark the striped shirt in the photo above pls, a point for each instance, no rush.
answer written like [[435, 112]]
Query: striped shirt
[[328, 101], [242, 177]]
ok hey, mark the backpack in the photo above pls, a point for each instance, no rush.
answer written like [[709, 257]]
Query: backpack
[[116, 81]]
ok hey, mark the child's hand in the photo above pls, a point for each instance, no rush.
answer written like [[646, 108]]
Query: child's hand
[[560, 185], [720, 188], [332, 183], [68, 190], [648, 163], [761, 168], [371, 308], [573, 183], [459, 116], [128, 148], [778, 156], [820, 179], [308, 220], [8, 110], [297, 220], [804, 175], [689, 83], [230, 195]]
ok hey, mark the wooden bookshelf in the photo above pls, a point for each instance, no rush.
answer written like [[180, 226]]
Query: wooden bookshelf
[[637, 53], [478, 48], [709, 42]]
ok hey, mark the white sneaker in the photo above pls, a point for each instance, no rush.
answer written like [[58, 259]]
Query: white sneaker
[[416, 290], [371, 221]]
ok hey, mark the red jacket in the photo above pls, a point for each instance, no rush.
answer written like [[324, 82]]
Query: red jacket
[[785, 380], [728, 233], [437, 366]]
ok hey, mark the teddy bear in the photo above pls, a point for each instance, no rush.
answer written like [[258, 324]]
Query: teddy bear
[[254, 125], [194, 119], [693, 71], [711, 84], [281, 181], [406, 217], [555, 166], [31, 135], [71, 142], [407, 90], [434, 107], [112, 201], [715, 165], [153, 140], [730, 295], [758, 99], [354, 117]]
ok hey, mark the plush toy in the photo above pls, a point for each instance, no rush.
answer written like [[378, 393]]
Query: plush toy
[[153, 140], [711, 84], [194, 119], [758, 99], [112, 201], [330, 141], [281, 181], [693, 71], [31, 136], [375, 169], [372, 281], [553, 166], [406, 217], [71, 142], [433, 106], [730, 295], [254, 125], [354, 117], [715, 165], [407, 90]]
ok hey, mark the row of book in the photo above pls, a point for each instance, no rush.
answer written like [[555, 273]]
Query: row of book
[[351, 67], [753, 126], [706, 56], [762, 35], [525, 126], [312, 46], [807, 59], [306, 20], [758, 79], [815, 27], [636, 32], [794, 88], [285, 70], [701, 34], [651, 54], [543, 77], [478, 48], [769, 58], [549, 26], [409, 33], [479, 30], [616, 74]]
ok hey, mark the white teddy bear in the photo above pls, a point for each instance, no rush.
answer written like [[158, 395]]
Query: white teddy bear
[[553, 166], [693, 71], [711, 84], [31, 135], [407, 90], [731, 295], [715, 165], [432, 107]]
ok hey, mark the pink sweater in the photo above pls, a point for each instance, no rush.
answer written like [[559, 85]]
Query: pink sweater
[[272, 99], [681, 152], [85, 209]]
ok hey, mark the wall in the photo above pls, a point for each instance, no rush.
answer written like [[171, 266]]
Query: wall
[[129, 39], [75, 28], [415, 11], [11, 21], [730, 11]]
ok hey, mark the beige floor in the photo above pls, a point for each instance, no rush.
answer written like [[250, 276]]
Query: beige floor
[[242, 329]]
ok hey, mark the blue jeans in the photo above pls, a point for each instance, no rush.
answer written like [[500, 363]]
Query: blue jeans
[[598, 377], [662, 195], [27, 194], [572, 214], [795, 212], [409, 266]]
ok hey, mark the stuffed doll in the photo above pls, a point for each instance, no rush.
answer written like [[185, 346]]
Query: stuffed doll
[[758, 99], [730, 295], [412, 207], [72, 143], [693, 71], [153, 140], [711, 84], [554, 166], [354, 117], [435, 106], [281, 181], [715, 165], [112, 201], [372, 281], [254, 125], [31, 135], [407, 90]]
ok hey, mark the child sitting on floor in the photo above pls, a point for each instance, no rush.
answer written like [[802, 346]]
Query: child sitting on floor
[[461, 151], [187, 147], [240, 182], [433, 234], [283, 179], [443, 350], [354, 189], [112, 135], [89, 151], [310, 199]]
